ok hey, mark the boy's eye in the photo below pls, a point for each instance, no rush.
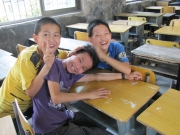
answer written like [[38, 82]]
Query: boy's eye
[[46, 34], [56, 35]]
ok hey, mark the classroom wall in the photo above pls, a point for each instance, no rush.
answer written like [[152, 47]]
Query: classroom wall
[[10, 35]]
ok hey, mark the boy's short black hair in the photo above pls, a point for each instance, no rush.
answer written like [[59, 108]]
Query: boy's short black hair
[[94, 23], [92, 53], [43, 21]]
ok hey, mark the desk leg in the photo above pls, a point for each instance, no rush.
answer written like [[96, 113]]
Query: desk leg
[[124, 38], [123, 128], [160, 37], [149, 131], [159, 21], [178, 79], [140, 31]]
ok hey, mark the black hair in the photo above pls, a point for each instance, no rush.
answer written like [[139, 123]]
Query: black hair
[[92, 53], [43, 21], [94, 23]]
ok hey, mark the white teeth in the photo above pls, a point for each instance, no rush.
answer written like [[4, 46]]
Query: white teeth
[[104, 43]]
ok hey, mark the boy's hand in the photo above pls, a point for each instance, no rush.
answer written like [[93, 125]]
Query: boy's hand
[[48, 56], [99, 93], [101, 54], [134, 76], [75, 50]]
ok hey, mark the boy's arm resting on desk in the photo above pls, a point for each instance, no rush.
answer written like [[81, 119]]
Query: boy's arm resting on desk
[[109, 77], [58, 97]]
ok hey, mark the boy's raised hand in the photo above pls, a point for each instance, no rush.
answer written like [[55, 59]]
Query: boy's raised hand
[[99, 51], [48, 56], [75, 50], [99, 93]]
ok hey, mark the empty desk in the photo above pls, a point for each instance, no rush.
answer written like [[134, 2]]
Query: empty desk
[[118, 29], [157, 9], [7, 126], [172, 32], [71, 44], [166, 59], [137, 27], [151, 18], [6, 63], [163, 115], [118, 110]]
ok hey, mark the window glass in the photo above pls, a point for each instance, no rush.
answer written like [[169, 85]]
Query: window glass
[[14, 10]]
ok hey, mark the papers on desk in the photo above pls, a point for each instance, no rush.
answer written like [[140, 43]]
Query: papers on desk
[[166, 54]]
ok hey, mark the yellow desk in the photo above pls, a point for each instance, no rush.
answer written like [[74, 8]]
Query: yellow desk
[[172, 31], [116, 29], [158, 8], [71, 44], [163, 115], [151, 18], [137, 27], [117, 111], [7, 126], [155, 18], [67, 43]]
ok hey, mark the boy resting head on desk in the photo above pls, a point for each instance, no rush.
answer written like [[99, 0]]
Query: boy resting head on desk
[[50, 114]]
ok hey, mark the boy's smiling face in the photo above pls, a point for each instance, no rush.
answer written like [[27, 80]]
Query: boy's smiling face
[[101, 36], [78, 63], [49, 33]]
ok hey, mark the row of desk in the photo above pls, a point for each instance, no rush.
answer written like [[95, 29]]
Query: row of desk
[[119, 111], [123, 31], [129, 98]]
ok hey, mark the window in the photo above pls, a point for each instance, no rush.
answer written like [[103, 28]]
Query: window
[[127, 1], [12, 10]]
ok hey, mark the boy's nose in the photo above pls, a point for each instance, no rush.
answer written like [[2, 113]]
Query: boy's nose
[[51, 39]]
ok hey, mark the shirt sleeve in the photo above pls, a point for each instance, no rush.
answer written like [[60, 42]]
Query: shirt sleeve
[[53, 74], [120, 53], [77, 77], [27, 72]]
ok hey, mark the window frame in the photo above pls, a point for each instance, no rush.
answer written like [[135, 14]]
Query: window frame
[[47, 13], [134, 1], [60, 11]]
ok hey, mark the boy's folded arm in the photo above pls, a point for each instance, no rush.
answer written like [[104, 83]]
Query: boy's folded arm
[[123, 67], [100, 77]]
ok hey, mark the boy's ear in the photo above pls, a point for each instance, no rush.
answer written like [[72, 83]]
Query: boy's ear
[[35, 38], [89, 39]]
